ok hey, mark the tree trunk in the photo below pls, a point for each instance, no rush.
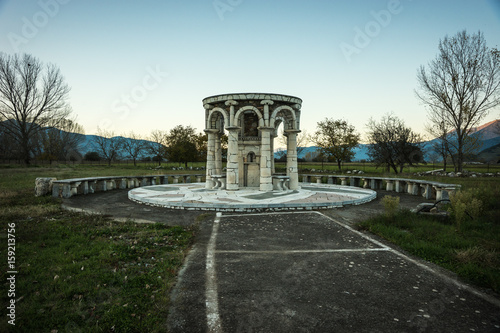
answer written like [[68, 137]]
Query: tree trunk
[[339, 162]]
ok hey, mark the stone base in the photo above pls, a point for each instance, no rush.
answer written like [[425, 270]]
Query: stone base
[[43, 186]]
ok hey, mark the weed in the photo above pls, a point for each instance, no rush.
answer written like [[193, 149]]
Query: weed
[[465, 204], [391, 206]]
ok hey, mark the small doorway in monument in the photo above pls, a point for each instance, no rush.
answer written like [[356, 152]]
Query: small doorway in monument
[[251, 171]]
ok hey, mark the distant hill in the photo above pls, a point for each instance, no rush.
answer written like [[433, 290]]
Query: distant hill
[[488, 133]]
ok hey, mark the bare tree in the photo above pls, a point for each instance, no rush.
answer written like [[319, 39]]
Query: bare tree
[[460, 86], [393, 144], [133, 145], [32, 97], [107, 145], [336, 140], [158, 144], [62, 142]]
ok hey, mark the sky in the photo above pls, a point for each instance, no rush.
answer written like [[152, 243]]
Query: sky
[[139, 66]]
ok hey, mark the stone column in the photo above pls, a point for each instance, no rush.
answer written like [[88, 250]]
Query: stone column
[[266, 179], [218, 154], [232, 173], [231, 103], [273, 167], [266, 103], [210, 157], [292, 169]]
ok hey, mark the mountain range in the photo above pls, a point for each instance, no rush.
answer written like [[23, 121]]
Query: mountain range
[[489, 151], [488, 132]]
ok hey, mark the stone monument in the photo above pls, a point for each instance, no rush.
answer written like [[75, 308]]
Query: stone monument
[[252, 121]]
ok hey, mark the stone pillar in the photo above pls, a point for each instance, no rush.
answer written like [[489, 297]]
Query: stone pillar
[[218, 154], [273, 168], [232, 173], [231, 103], [292, 169], [389, 185], [266, 180], [210, 157]]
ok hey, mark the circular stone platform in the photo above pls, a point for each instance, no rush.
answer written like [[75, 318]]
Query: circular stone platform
[[194, 196]]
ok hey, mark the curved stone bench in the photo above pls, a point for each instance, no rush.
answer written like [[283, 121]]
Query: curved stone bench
[[67, 188], [428, 189]]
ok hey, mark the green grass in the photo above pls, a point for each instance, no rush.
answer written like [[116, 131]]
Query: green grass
[[119, 289], [471, 250], [85, 273]]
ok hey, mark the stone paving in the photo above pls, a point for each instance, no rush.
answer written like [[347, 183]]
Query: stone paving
[[195, 196], [305, 272]]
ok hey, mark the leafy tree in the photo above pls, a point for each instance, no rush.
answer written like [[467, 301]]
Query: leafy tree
[[392, 144], [336, 140], [108, 145], [32, 97], [133, 145], [460, 86], [157, 145], [92, 156], [182, 145]]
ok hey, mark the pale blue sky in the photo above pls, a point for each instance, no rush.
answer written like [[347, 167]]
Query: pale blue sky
[[145, 65]]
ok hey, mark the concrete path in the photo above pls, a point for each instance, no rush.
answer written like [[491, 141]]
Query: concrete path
[[305, 272]]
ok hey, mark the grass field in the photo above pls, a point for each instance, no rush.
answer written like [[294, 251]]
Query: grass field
[[469, 247], [79, 273]]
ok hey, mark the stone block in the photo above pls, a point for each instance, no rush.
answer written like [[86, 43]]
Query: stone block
[[43, 186]]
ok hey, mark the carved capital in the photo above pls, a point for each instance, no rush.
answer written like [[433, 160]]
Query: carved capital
[[267, 102], [231, 102]]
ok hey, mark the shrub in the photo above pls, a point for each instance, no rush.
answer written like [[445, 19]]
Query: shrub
[[391, 205], [465, 203]]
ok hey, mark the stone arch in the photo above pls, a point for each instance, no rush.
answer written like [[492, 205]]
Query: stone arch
[[246, 108], [287, 113], [213, 123], [251, 157], [277, 122]]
